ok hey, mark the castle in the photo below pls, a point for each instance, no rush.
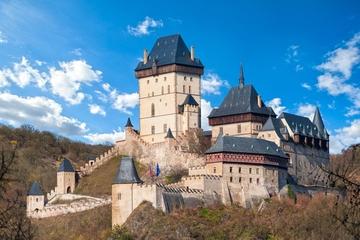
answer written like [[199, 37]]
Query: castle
[[253, 153]]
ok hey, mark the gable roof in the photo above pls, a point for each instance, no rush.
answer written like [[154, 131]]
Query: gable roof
[[169, 50], [127, 172], [66, 166], [240, 100], [232, 144], [35, 190], [274, 124], [301, 125]]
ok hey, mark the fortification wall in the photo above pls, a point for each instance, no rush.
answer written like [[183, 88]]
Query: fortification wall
[[52, 210], [168, 154], [304, 163]]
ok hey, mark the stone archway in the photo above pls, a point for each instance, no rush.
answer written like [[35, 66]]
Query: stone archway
[[68, 190]]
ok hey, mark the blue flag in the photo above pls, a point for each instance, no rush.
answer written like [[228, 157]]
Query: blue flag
[[157, 169]]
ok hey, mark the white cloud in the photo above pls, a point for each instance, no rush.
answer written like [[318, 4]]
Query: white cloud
[[77, 52], [306, 110], [205, 111], [275, 103], [3, 39], [41, 112], [292, 53], [124, 101], [101, 138], [337, 69], [306, 86], [22, 74], [352, 112], [96, 109], [292, 57], [144, 27], [211, 84], [106, 87], [298, 68], [66, 81], [346, 136]]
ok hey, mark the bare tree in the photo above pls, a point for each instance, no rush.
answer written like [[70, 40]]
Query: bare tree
[[344, 173], [14, 225]]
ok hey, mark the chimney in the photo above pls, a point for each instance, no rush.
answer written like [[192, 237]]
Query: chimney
[[145, 56], [192, 53], [259, 101]]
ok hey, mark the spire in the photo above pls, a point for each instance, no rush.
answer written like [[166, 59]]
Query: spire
[[128, 123], [242, 78], [318, 121], [169, 134], [127, 172]]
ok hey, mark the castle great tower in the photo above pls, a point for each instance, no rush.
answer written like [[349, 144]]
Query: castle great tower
[[169, 89]]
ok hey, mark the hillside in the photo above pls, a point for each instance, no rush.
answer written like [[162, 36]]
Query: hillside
[[91, 224], [39, 153], [99, 182], [308, 219]]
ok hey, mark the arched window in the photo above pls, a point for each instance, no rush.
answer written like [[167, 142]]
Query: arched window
[[152, 109]]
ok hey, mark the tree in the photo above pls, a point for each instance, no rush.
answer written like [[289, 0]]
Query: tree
[[344, 173], [13, 221]]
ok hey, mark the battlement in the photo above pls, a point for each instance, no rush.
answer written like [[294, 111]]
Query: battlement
[[51, 210]]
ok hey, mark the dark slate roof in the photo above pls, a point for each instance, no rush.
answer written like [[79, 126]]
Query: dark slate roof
[[66, 166], [301, 125], [190, 100], [169, 134], [127, 172], [128, 123], [169, 50], [207, 133], [240, 100], [275, 124], [317, 120], [35, 190], [232, 144]]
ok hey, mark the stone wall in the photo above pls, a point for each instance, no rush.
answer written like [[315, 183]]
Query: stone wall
[[85, 203], [168, 154]]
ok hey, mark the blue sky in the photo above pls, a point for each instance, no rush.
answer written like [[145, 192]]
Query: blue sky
[[68, 66]]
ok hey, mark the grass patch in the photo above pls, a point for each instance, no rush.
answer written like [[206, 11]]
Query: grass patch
[[91, 224], [98, 183]]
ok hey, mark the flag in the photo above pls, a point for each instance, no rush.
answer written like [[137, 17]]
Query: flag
[[151, 173], [157, 170]]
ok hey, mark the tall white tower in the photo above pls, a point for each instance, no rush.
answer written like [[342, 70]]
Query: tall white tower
[[169, 89]]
